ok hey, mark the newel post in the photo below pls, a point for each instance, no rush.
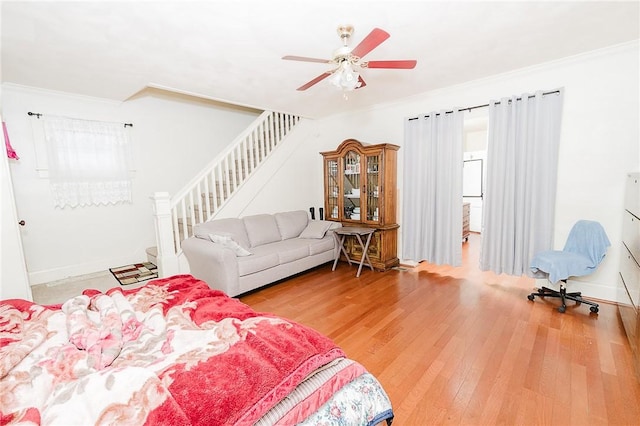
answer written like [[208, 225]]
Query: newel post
[[167, 259]]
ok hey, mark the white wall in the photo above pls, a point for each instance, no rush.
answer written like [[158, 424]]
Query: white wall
[[173, 136], [599, 141], [599, 144]]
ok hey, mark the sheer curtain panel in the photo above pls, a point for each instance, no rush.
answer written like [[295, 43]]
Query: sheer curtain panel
[[432, 181], [89, 162], [522, 164]]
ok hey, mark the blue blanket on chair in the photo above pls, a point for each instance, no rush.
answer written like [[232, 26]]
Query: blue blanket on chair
[[585, 248]]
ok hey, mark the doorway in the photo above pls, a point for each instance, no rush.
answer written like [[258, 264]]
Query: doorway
[[474, 168]]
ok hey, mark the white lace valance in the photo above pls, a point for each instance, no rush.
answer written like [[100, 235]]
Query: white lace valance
[[89, 161]]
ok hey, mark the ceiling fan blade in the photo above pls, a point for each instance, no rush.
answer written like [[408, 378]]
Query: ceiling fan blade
[[370, 42], [410, 64], [314, 81], [305, 59], [362, 83]]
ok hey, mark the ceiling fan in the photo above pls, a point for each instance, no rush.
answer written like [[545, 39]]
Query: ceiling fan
[[346, 60]]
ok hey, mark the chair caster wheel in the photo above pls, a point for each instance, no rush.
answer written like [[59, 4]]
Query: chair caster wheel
[[594, 309], [530, 297], [561, 309]]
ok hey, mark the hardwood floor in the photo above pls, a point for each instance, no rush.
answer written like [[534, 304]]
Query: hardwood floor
[[465, 347]]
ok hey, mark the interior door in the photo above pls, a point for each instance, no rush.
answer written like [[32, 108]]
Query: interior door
[[15, 282]]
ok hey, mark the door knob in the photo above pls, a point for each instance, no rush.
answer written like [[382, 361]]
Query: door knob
[[21, 223]]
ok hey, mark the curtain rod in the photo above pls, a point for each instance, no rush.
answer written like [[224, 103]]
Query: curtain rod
[[486, 105], [38, 115]]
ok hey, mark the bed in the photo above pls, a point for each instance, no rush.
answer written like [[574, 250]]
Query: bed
[[175, 352]]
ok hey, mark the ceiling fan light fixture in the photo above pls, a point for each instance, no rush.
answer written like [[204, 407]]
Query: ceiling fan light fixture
[[345, 77]]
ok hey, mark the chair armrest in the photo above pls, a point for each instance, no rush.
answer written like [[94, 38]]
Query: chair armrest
[[212, 263]]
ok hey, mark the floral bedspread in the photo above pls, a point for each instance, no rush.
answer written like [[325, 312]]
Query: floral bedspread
[[172, 352]]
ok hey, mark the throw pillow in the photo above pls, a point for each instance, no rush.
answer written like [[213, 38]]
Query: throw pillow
[[228, 226], [230, 243], [316, 229]]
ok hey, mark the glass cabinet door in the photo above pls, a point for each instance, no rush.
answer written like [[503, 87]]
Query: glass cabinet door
[[373, 188], [333, 186], [351, 186]]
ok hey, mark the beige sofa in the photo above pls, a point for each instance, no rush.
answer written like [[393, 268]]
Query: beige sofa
[[237, 255]]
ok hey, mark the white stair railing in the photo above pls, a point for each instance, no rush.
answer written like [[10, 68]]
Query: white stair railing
[[201, 199]]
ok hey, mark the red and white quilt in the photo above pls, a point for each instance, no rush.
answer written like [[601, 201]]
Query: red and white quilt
[[172, 352]]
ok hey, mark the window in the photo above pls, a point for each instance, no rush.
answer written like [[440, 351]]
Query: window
[[88, 161]]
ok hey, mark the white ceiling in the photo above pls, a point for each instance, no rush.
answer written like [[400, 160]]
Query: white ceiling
[[231, 51]]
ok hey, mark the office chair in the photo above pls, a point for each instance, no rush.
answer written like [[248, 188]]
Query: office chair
[[585, 248]]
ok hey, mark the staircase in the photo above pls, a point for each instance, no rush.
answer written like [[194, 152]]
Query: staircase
[[203, 197]]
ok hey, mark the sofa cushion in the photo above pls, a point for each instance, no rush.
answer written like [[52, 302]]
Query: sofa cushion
[[291, 224], [289, 250], [322, 245], [228, 242], [227, 227], [261, 229], [260, 260], [316, 229]]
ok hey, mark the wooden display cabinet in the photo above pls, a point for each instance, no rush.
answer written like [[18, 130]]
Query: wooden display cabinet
[[360, 190]]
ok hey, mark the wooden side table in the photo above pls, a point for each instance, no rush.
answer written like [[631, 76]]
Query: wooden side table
[[341, 233]]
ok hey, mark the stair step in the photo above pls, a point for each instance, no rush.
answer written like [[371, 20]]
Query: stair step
[[189, 222]]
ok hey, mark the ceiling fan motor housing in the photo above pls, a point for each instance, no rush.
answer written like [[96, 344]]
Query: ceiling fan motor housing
[[345, 32]]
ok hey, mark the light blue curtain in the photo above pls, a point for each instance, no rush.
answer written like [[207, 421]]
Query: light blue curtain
[[522, 164], [432, 188]]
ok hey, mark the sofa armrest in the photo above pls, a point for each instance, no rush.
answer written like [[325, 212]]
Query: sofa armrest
[[212, 263]]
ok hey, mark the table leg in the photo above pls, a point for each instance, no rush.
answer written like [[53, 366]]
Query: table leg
[[366, 250], [365, 255], [340, 249]]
